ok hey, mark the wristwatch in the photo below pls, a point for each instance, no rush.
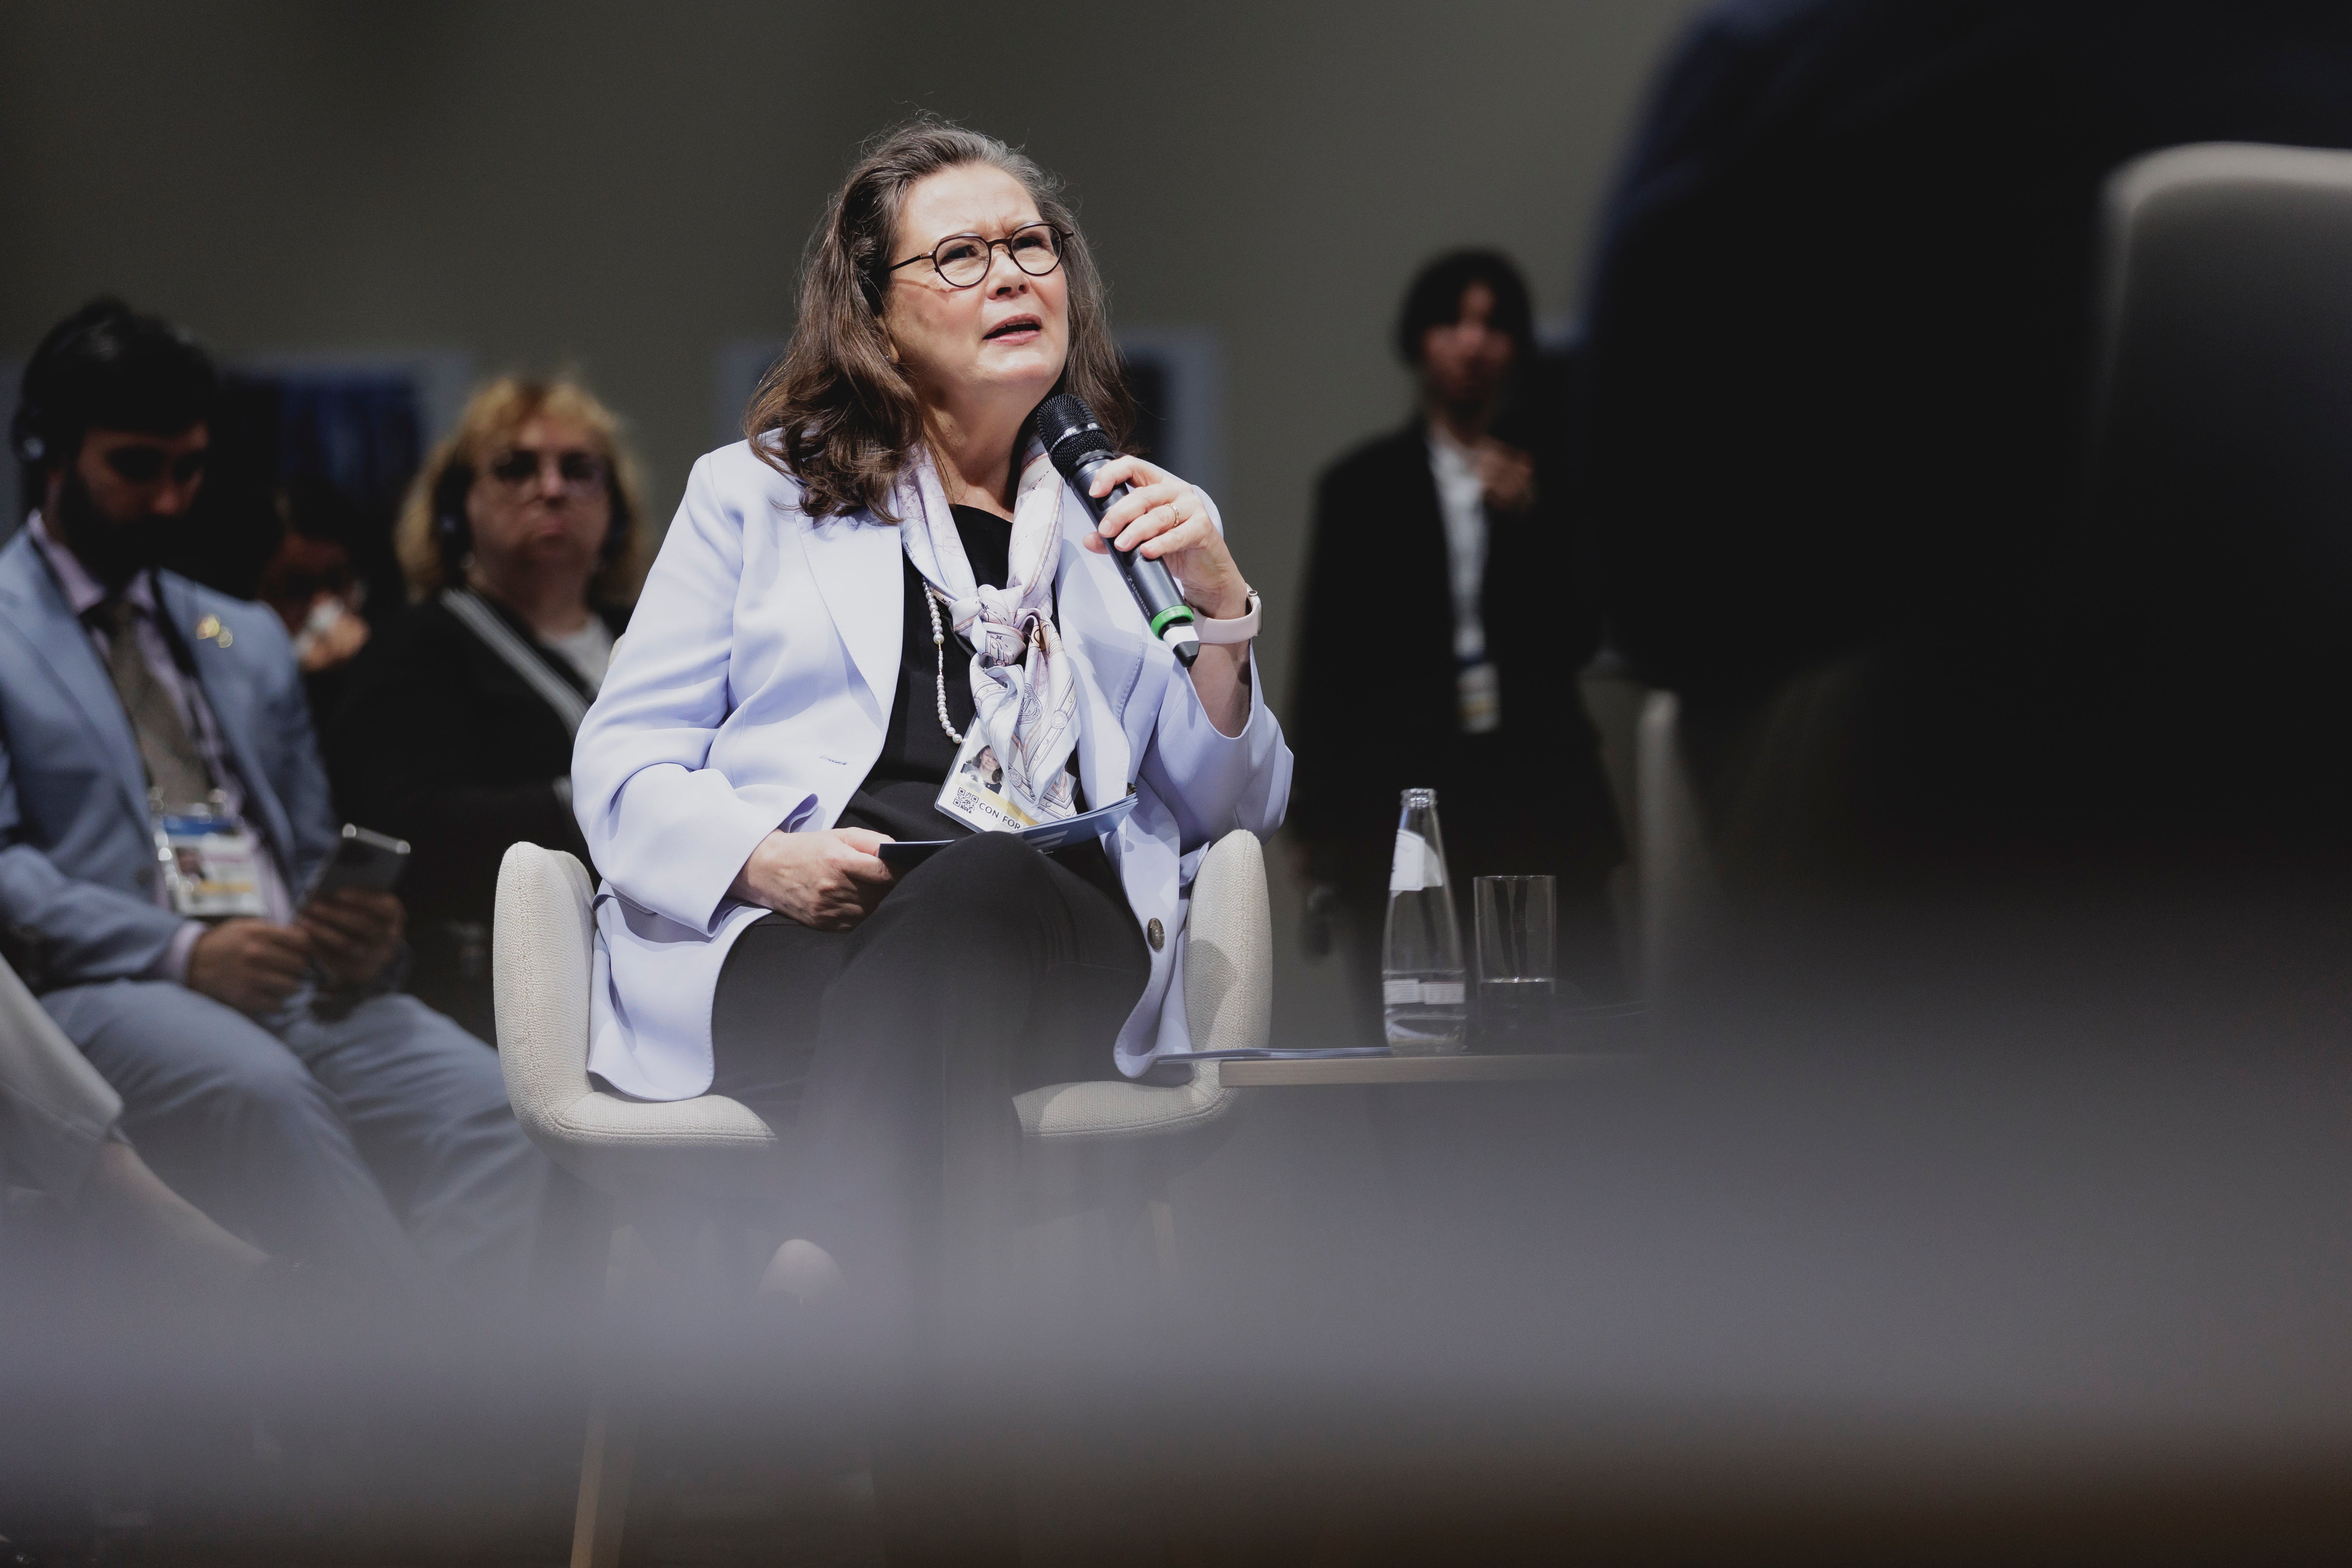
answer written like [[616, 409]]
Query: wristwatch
[[1241, 628]]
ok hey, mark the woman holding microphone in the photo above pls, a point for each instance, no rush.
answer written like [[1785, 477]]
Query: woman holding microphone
[[886, 577]]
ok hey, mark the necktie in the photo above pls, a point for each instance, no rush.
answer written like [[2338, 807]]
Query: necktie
[[175, 768]]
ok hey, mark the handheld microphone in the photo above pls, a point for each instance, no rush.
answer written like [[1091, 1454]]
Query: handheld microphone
[[1076, 444]]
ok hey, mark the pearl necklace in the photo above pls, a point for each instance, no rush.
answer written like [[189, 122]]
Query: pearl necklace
[[939, 658]]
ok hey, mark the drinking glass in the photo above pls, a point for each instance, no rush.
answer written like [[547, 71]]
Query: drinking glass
[[1516, 967]]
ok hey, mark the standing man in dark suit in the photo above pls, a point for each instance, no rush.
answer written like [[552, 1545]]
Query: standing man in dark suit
[[1447, 615], [269, 1066]]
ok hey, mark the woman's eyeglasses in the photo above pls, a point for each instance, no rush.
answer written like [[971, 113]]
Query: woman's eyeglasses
[[573, 473], [963, 259]]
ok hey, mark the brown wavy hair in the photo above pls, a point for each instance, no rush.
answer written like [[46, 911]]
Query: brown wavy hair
[[493, 417], [843, 417]]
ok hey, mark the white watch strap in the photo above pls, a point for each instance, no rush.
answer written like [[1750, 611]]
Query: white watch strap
[[1241, 628]]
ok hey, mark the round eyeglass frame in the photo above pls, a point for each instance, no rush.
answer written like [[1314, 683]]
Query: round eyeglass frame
[[1061, 237], [599, 478]]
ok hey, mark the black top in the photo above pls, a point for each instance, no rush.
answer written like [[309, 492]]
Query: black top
[[437, 741], [898, 795]]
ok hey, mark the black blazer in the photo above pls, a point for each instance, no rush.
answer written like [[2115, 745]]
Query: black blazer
[[1374, 707], [437, 741]]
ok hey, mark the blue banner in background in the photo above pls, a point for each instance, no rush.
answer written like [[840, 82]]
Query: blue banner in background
[[361, 434], [328, 452]]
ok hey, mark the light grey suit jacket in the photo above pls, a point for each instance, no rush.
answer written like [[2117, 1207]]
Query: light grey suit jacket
[[77, 859]]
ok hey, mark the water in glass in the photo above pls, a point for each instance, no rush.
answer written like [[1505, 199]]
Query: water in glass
[[1515, 919], [1514, 1011]]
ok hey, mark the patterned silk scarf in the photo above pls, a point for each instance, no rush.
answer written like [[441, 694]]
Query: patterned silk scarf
[[1024, 695]]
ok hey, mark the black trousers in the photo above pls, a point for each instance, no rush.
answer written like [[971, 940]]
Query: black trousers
[[893, 1050]]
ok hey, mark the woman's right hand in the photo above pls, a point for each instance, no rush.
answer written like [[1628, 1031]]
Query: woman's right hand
[[827, 880]]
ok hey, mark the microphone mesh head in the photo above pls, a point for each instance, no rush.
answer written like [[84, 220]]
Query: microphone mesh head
[[1068, 431]]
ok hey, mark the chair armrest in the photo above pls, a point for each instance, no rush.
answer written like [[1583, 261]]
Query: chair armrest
[[55, 1109], [540, 939], [1229, 949]]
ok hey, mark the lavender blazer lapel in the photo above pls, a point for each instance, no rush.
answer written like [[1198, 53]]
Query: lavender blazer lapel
[[854, 563]]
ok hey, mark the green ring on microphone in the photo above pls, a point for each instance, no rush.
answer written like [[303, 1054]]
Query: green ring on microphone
[[1173, 616]]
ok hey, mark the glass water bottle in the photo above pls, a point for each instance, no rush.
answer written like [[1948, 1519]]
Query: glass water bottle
[[1421, 976]]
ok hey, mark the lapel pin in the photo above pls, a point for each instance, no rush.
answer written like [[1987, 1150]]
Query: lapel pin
[[210, 629]]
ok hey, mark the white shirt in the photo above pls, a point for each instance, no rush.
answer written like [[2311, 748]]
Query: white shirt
[[1462, 500], [588, 650]]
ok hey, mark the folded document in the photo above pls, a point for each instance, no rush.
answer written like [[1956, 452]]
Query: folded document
[[1271, 1054], [1045, 838]]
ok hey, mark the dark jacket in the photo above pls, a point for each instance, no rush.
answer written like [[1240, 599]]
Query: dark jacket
[[1375, 709], [440, 742]]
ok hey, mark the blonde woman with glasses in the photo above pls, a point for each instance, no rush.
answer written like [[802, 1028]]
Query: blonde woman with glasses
[[521, 547]]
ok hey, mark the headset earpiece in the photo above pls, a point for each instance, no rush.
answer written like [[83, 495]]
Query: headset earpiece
[[26, 438], [31, 434]]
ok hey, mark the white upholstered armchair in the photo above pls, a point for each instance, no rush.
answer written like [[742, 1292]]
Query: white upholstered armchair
[[653, 1157]]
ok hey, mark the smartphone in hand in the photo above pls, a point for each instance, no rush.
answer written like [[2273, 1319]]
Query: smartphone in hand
[[360, 859]]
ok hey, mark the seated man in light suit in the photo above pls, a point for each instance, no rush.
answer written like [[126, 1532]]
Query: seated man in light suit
[[257, 1052]]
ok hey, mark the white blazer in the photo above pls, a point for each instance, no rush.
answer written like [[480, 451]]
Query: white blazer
[[751, 693]]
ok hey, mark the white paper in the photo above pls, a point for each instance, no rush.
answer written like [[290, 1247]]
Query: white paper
[[1046, 836]]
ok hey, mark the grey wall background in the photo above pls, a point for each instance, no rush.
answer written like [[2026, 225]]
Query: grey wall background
[[621, 189]]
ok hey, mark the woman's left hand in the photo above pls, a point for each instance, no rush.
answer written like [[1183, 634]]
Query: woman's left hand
[[1163, 519]]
